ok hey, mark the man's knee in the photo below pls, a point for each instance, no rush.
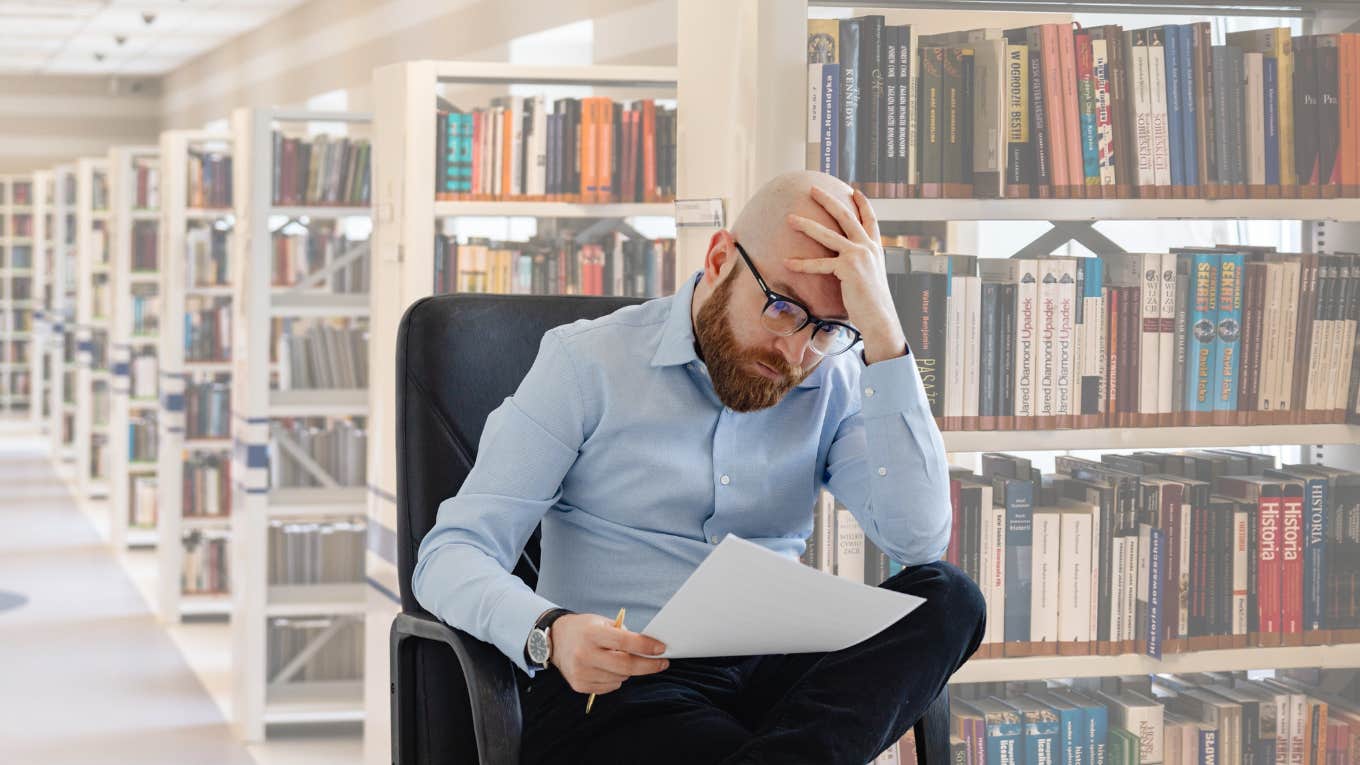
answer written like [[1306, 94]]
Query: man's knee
[[953, 599]]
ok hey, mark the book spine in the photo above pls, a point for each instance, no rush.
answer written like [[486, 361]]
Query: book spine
[[1026, 346], [1270, 101], [908, 114], [954, 155], [1071, 119], [1327, 62], [1140, 111], [1189, 111], [851, 95], [1086, 107], [1166, 343], [870, 121], [931, 123], [1291, 574], [1199, 388], [1227, 340], [829, 125], [1159, 109], [1150, 323], [1106, 153], [1019, 151], [1054, 110], [1046, 364], [1204, 100], [987, 372], [1155, 603], [1042, 173], [1171, 44], [1019, 504]]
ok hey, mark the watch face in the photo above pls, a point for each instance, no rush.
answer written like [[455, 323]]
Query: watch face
[[538, 646]]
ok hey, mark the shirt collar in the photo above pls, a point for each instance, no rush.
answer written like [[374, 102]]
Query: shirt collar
[[676, 345]]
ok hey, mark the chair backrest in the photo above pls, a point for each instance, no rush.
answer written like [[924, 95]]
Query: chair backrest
[[458, 358]]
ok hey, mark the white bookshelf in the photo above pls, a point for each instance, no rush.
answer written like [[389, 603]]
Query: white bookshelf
[[259, 405], [17, 340], [128, 217], [175, 444], [406, 218], [92, 328], [40, 362], [62, 316]]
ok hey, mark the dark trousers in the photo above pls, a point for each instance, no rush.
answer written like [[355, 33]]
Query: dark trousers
[[838, 708]]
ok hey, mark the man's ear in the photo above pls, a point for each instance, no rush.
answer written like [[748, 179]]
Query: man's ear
[[720, 251]]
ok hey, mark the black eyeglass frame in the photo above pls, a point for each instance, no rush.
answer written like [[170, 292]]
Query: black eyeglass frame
[[771, 297]]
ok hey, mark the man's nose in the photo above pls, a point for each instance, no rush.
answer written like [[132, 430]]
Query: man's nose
[[795, 348]]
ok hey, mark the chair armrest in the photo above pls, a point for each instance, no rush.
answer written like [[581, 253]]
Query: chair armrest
[[491, 686], [932, 732]]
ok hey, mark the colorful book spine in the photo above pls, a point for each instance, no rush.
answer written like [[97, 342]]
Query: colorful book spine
[[1185, 52], [1200, 361], [829, 139], [1171, 43], [1227, 340]]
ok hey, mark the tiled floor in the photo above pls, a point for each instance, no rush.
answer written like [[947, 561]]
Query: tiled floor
[[87, 673]]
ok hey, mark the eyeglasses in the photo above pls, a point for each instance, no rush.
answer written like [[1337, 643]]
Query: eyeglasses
[[785, 316]]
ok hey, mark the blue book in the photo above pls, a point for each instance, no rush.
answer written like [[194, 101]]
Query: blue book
[[830, 93], [1271, 79], [1005, 734], [1041, 730], [1227, 340], [1208, 746], [1156, 576], [1017, 496], [1199, 357], [1189, 133], [1071, 746], [1097, 722], [1171, 43]]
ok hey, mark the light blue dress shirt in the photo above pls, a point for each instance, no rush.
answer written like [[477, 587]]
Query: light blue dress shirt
[[618, 444]]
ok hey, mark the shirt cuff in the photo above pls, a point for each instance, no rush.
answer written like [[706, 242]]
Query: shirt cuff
[[512, 621], [891, 386]]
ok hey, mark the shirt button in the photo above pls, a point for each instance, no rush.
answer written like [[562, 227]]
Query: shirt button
[[725, 480], [869, 392], [882, 470], [713, 540]]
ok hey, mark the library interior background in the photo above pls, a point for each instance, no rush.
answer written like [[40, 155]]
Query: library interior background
[[1120, 237]]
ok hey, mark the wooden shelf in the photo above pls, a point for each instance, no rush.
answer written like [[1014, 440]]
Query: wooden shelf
[[289, 303], [205, 213], [552, 210], [1050, 667], [325, 402], [314, 702], [191, 604], [141, 467], [318, 502], [205, 521], [1148, 438], [316, 599], [653, 77], [215, 291], [141, 537], [207, 444], [322, 211], [1339, 210], [143, 215]]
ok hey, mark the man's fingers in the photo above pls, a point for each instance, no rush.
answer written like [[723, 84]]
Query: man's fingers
[[849, 223], [866, 215], [821, 234], [620, 639], [812, 265]]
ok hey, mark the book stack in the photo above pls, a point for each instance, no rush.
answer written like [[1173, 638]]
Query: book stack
[[317, 552], [339, 658], [616, 265], [337, 447], [322, 354], [207, 329], [584, 150], [146, 187], [1065, 111], [21, 194], [1229, 335], [209, 180], [146, 309], [144, 245], [204, 568], [207, 483], [142, 508], [206, 265], [298, 255], [207, 409], [322, 170], [142, 438]]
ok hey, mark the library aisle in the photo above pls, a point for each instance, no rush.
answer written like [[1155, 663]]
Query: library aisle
[[102, 680]]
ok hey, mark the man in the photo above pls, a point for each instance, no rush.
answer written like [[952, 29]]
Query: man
[[641, 438]]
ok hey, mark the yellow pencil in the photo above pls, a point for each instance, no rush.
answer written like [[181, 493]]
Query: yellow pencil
[[618, 622]]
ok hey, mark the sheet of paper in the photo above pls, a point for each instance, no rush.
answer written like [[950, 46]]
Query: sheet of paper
[[744, 599]]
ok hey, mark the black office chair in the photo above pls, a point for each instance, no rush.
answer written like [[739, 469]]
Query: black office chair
[[454, 697]]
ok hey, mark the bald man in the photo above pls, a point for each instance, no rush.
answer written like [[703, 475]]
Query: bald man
[[640, 439]]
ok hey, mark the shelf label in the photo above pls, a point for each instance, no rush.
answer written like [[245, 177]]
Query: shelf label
[[699, 213]]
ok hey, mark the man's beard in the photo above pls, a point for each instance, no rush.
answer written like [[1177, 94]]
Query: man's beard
[[729, 364]]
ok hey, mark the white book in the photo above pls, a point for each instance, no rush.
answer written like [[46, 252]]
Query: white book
[[1045, 570], [1075, 583], [1338, 357], [826, 543], [1161, 139], [992, 565], [812, 160], [1046, 365], [1143, 585], [1348, 331], [1183, 573], [1026, 339], [1289, 296], [1140, 106], [1094, 349], [912, 81], [1241, 550], [538, 170], [849, 545], [1064, 340], [1166, 348], [972, 347], [954, 360], [1100, 61], [1143, 717], [1149, 346], [1271, 339], [1117, 580], [1255, 128]]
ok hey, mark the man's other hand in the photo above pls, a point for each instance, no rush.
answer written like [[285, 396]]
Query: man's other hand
[[594, 656]]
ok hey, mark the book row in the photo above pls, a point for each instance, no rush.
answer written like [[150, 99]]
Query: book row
[[142, 376], [314, 355], [1216, 336], [587, 150], [19, 256], [1188, 719], [329, 552], [616, 265], [146, 310], [207, 329], [20, 195], [207, 409], [142, 439], [142, 493], [204, 567], [207, 486], [340, 657], [206, 264], [209, 179], [318, 452], [146, 184], [323, 170], [145, 243], [1084, 112], [304, 259]]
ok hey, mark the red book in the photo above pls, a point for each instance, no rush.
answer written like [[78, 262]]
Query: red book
[[956, 508], [1269, 568], [1291, 556], [476, 152], [649, 190]]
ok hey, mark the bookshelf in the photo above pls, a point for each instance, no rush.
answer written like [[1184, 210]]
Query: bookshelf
[[92, 328], [192, 468], [407, 217], [63, 317], [40, 361], [16, 295], [134, 181], [299, 275]]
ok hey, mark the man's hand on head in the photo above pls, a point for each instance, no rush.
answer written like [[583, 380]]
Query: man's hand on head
[[860, 267]]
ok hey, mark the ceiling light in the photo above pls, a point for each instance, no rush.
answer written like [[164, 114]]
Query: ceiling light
[[148, 17], [120, 39]]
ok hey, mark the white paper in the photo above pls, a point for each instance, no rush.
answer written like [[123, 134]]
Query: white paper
[[746, 600]]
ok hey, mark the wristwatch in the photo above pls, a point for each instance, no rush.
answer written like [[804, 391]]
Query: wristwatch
[[538, 648]]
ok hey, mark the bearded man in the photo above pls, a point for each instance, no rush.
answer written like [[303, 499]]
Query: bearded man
[[639, 439]]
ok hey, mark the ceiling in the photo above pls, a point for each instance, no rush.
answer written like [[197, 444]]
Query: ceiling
[[81, 36]]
